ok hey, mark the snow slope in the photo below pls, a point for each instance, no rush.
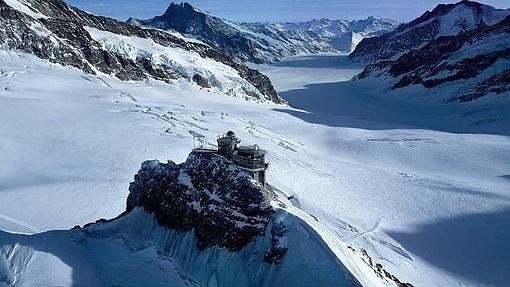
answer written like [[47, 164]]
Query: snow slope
[[134, 250], [413, 183]]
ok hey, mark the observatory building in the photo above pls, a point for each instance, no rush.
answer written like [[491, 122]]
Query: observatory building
[[249, 158]]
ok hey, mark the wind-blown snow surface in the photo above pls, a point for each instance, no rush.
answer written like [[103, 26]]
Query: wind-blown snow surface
[[427, 202]]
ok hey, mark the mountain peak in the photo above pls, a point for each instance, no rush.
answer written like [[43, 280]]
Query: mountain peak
[[182, 5]]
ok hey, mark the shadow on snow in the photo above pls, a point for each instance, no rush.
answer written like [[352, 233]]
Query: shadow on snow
[[473, 246], [352, 104], [321, 62]]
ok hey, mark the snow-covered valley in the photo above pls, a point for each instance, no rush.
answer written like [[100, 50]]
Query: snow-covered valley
[[414, 183]]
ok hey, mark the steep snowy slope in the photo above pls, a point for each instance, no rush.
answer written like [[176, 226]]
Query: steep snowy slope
[[50, 29], [444, 20], [459, 68], [267, 42], [201, 223], [135, 250]]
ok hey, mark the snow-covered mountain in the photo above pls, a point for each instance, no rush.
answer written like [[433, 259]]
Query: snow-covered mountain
[[444, 20], [53, 30], [267, 42], [463, 68]]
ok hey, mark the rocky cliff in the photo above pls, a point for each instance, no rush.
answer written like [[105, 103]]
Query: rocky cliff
[[208, 195]]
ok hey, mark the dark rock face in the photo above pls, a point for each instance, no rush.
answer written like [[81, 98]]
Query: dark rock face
[[427, 28], [379, 269], [498, 84], [438, 63], [201, 81], [208, 195], [61, 38], [388, 45], [278, 250]]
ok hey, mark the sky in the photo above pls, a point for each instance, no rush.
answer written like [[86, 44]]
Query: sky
[[274, 10]]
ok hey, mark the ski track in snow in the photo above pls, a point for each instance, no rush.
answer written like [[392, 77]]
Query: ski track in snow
[[20, 223]]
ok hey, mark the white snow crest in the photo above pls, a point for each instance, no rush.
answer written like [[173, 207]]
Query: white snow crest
[[25, 8]]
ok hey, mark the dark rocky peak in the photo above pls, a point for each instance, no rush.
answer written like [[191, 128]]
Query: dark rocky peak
[[182, 7], [208, 195], [219, 194], [179, 17], [439, 10], [185, 19]]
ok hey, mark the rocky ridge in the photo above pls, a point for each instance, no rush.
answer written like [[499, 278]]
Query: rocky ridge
[[444, 20], [476, 60], [219, 202], [53, 30]]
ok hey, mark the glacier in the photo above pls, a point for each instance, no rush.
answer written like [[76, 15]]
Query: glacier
[[403, 184]]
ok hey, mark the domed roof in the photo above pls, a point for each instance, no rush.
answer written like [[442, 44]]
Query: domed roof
[[231, 134]]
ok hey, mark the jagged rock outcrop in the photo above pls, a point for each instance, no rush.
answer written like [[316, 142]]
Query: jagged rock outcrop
[[266, 42], [208, 195], [444, 20], [53, 30], [201, 81], [473, 61]]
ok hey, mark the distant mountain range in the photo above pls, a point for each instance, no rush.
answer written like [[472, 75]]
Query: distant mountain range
[[267, 42], [460, 51], [343, 35]]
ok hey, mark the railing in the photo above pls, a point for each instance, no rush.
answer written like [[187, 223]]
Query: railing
[[249, 162]]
